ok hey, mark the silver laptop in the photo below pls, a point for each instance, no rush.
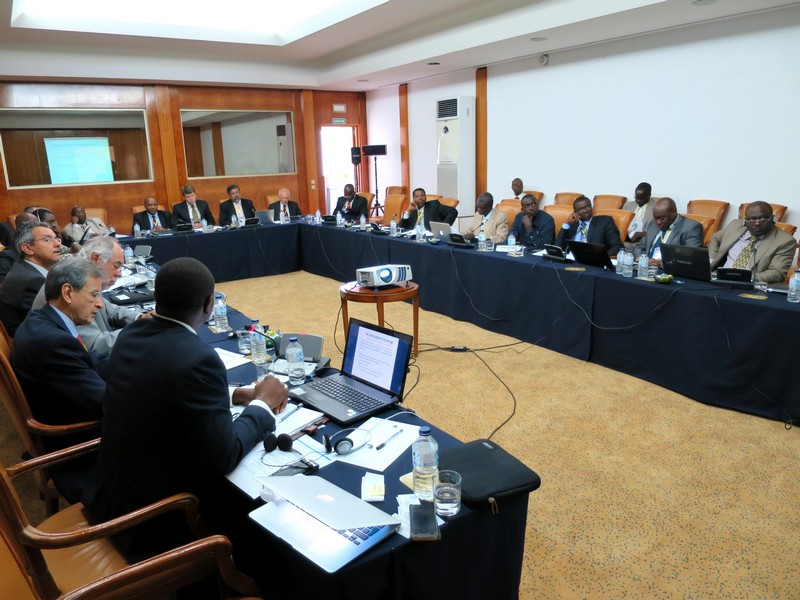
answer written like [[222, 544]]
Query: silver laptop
[[323, 522], [264, 217], [441, 231], [372, 376]]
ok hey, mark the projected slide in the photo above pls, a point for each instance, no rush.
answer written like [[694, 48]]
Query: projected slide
[[79, 160]]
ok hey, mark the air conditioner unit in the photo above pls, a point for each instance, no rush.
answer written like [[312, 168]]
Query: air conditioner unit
[[455, 162]]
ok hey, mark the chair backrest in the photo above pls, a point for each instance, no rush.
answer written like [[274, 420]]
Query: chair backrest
[[787, 227], [566, 197], [432, 196], [534, 193], [311, 343], [139, 208], [779, 210], [559, 212], [709, 208], [622, 219], [602, 201], [509, 210], [12, 219], [6, 342], [447, 201], [393, 206], [706, 222], [395, 189], [511, 201], [368, 195], [272, 198], [97, 213]]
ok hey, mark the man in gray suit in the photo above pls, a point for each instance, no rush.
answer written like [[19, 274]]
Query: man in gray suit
[[754, 244], [668, 227]]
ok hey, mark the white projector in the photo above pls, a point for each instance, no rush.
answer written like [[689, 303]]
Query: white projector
[[383, 275]]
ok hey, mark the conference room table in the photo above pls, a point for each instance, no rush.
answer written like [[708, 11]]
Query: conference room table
[[719, 346], [479, 555]]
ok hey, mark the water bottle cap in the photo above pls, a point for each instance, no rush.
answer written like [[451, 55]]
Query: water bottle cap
[[293, 339], [425, 430]]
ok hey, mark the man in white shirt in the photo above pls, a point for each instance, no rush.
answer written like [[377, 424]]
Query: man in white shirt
[[642, 206], [82, 228]]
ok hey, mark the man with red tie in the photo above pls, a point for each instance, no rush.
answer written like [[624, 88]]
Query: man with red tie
[[59, 376], [350, 206], [289, 208]]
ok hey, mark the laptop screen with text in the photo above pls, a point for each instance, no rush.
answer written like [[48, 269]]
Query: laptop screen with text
[[377, 356]]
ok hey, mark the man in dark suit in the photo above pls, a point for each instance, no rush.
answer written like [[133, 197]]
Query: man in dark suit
[[582, 226], [151, 219], [237, 206], [171, 431], [425, 211], [284, 205], [58, 375], [9, 256], [191, 210], [668, 227], [532, 227], [40, 250], [351, 207]]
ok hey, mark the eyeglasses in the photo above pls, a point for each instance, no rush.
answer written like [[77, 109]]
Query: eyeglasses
[[48, 239], [757, 219]]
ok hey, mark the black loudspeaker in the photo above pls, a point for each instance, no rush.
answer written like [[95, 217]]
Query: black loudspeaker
[[282, 442], [374, 150], [355, 155]]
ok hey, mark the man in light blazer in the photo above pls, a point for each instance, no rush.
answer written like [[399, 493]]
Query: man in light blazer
[[668, 227], [495, 222], [237, 206], [754, 244]]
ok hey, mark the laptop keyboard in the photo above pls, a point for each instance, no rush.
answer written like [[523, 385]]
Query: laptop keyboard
[[360, 534], [345, 394]]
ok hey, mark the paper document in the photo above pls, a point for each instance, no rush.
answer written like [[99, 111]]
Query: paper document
[[388, 440], [231, 359]]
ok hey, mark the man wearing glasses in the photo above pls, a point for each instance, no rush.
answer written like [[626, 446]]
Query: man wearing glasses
[[40, 249], [754, 244]]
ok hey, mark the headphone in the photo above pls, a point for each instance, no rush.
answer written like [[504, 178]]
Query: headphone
[[345, 445], [282, 442]]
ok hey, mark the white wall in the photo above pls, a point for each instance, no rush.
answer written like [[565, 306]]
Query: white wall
[[383, 118], [709, 111]]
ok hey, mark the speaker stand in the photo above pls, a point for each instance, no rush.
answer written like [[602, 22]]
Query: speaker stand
[[377, 208]]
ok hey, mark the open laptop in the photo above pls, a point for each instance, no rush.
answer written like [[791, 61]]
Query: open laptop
[[318, 519], [441, 231], [693, 263], [372, 376], [594, 255], [555, 253], [264, 217]]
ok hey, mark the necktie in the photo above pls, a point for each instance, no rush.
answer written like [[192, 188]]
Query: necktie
[[155, 221], [195, 214], [584, 226], [239, 211], [348, 206], [419, 216], [286, 210], [746, 254], [80, 341]]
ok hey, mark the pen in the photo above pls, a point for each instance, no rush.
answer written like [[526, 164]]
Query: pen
[[389, 439], [293, 408], [236, 384]]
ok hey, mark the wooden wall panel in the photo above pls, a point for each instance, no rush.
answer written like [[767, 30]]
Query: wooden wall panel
[[194, 151], [481, 131]]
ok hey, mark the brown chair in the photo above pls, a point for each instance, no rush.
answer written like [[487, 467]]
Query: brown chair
[[509, 210], [559, 212], [97, 213], [433, 196], [448, 202], [779, 210], [622, 219], [368, 195], [566, 197], [709, 208], [65, 555], [706, 222], [6, 342], [272, 198], [395, 189], [511, 201], [534, 193], [13, 220], [32, 432], [139, 208], [393, 207], [788, 228], [603, 201]]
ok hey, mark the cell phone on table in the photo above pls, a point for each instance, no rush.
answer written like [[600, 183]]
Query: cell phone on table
[[424, 526]]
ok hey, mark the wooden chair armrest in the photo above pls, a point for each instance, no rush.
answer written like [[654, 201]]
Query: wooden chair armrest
[[48, 540], [170, 571], [35, 426], [53, 458]]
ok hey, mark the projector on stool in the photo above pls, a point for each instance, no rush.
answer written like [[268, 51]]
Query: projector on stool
[[383, 275]]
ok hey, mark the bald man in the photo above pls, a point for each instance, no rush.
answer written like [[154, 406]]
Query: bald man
[[285, 205]]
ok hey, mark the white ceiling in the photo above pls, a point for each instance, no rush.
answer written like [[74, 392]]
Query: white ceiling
[[389, 44]]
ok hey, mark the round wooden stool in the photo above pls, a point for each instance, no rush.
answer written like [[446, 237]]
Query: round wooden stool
[[378, 296]]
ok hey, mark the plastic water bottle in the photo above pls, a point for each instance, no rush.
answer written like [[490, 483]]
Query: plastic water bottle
[[620, 260], [482, 238], [294, 356], [420, 230], [258, 343], [627, 265], [137, 230], [339, 220], [318, 218], [512, 241], [362, 222], [794, 288], [128, 253], [220, 314], [425, 458], [234, 221], [393, 228], [643, 266]]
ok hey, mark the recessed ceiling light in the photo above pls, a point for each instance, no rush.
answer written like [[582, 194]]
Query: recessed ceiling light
[[433, 64], [703, 2], [539, 38]]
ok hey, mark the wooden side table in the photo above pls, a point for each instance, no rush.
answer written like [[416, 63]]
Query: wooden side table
[[378, 296]]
